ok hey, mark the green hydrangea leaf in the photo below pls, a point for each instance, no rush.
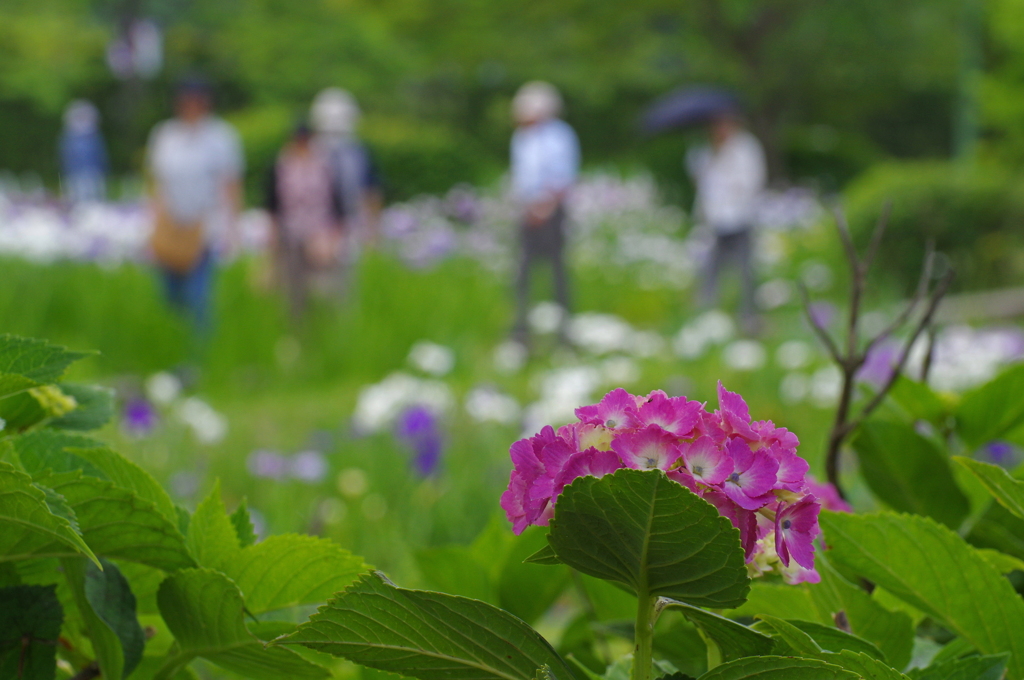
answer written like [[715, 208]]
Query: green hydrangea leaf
[[908, 472], [648, 533], [1007, 490], [933, 569], [32, 614], [778, 668], [204, 611], [28, 524], [118, 524], [426, 635]]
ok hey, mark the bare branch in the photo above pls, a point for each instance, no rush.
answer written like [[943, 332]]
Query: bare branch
[[844, 236], [876, 235], [925, 322], [919, 294], [820, 331]]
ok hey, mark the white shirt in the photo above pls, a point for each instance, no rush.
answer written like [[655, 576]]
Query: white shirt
[[545, 159], [729, 182], [192, 163]]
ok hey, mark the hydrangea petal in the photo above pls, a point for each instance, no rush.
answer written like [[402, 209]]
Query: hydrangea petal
[[647, 449]]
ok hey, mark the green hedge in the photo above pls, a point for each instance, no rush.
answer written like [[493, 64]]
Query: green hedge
[[975, 215]]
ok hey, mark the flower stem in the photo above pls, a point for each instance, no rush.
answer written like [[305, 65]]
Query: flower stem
[[646, 616]]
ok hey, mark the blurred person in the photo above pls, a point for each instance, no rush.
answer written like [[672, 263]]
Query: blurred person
[[307, 209], [195, 166], [729, 175], [335, 117], [545, 159], [83, 156]]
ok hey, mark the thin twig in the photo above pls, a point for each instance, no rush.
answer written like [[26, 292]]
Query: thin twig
[[919, 293], [877, 235], [820, 331], [925, 322]]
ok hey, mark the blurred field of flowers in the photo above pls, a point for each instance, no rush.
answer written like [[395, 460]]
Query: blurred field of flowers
[[384, 421]]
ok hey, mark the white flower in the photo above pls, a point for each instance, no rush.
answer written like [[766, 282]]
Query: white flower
[[793, 354], [600, 333], [432, 358], [163, 388], [744, 355], [620, 370], [546, 317], [208, 426], [379, 404], [486, 404], [826, 383], [510, 356], [713, 327], [794, 387], [817, 276], [773, 294]]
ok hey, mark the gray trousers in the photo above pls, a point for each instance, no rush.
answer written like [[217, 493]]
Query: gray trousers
[[736, 248], [545, 241]]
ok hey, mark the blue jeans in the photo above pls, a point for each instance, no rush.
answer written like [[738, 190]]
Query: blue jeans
[[189, 292]]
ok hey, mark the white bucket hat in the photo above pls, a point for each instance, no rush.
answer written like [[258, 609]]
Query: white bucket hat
[[334, 111], [536, 100]]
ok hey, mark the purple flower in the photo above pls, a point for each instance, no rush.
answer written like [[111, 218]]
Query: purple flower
[[617, 409], [879, 364], [309, 466], [267, 464], [706, 462], [677, 415], [648, 449], [419, 428], [753, 476], [1000, 452], [796, 525], [139, 417]]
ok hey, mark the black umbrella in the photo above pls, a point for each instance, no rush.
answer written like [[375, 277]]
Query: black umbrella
[[688, 107]]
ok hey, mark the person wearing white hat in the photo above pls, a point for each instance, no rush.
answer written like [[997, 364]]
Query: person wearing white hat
[[545, 160], [335, 116]]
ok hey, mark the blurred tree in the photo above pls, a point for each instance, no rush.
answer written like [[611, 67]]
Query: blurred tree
[[831, 86]]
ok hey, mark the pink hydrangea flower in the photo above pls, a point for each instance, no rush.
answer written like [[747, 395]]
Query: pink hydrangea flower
[[749, 471], [796, 526]]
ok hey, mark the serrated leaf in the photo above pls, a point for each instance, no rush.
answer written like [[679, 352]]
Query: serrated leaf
[[778, 668], [28, 523], [969, 668], [1007, 490], [933, 569], [204, 611], [734, 640], [908, 472], [1001, 561], [243, 525], [95, 408], [291, 570], [641, 529], [25, 363], [117, 524], [426, 635], [863, 665], [891, 631], [993, 409], [212, 539], [32, 614], [793, 638], [107, 606], [125, 474], [832, 639], [47, 450]]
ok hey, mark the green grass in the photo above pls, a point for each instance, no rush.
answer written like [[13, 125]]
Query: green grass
[[280, 399]]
